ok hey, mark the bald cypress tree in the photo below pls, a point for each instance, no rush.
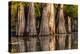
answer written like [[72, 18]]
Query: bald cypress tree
[[44, 29], [20, 27], [61, 27], [31, 28], [51, 22]]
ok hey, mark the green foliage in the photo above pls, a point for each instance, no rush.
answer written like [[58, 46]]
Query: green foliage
[[71, 10], [13, 7], [37, 9]]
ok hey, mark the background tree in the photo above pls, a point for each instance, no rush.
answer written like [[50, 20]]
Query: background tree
[[72, 13], [69, 31]]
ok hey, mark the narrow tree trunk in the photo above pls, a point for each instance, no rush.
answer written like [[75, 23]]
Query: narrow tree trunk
[[74, 28], [31, 29], [44, 29], [51, 26], [69, 31], [61, 27], [20, 27]]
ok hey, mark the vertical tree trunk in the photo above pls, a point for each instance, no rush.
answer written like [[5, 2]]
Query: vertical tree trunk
[[31, 29], [69, 31], [74, 28], [51, 26], [20, 27], [44, 29], [61, 27]]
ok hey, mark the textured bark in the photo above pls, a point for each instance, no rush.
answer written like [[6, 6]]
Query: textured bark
[[61, 27], [51, 19], [69, 30], [31, 28], [20, 27], [21, 20], [44, 29]]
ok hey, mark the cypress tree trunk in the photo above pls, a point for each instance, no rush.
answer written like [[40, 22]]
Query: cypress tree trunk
[[69, 31], [20, 27], [44, 29], [61, 27], [74, 28], [31, 29], [51, 26]]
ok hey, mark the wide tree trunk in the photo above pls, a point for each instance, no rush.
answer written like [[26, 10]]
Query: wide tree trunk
[[20, 27], [44, 29], [51, 22], [61, 28], [31, 29]]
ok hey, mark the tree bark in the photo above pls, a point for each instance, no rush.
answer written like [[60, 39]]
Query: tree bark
[[69, 31], [61, 27], [31, 29], [20, 27], [51, 22], [44, 29]]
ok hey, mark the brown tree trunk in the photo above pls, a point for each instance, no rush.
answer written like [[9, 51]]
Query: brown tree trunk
[[31, 29], [51, 19], [44, 29], [69, 31], [20, 27], [61, 27]]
